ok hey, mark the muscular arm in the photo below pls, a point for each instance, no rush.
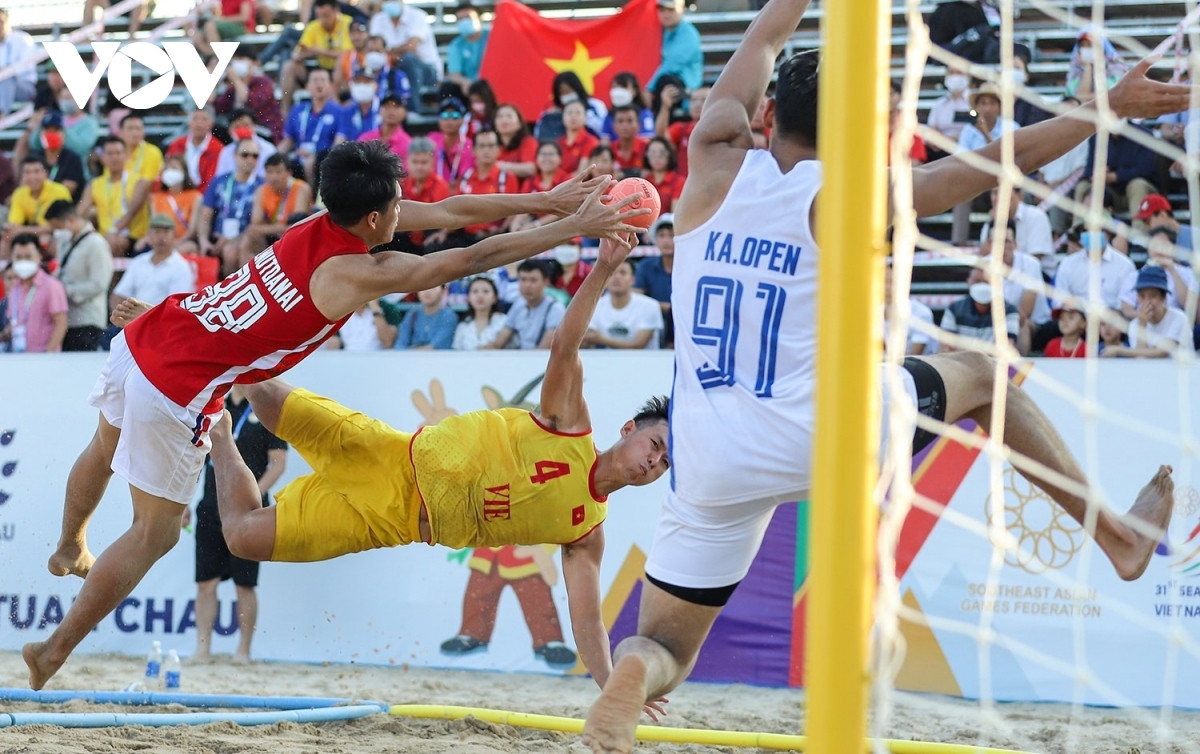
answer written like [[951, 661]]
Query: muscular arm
[[460, 211], [581, 571]]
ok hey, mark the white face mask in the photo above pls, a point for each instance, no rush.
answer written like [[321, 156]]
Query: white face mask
[[62, 239], [1087, 55], [241, 68], [957, 83], [376, 61], [67, 106], [362, 92], [479, 108], [1018, 77], [25, 268], [172, 177], [567, 99], [566, 254], [620, 97], [981, 293]]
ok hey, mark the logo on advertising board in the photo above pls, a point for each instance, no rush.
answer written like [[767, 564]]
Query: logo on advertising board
[[8, 467]]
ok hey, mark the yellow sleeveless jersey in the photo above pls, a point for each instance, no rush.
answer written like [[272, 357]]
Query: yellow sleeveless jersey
[[491, 478]]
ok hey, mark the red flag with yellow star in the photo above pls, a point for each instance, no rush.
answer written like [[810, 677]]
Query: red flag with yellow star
[[526, 51]]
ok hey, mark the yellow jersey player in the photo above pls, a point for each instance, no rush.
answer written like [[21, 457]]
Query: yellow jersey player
[[486, 478]]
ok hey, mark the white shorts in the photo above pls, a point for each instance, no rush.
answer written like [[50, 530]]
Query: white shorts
[[162, 448], [710, 546]]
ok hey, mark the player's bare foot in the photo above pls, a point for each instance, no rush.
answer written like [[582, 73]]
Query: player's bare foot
[[1153, 510], [71, 559], [241, 659], [222, 430], [201, 658], [41, 667], [611, 726]]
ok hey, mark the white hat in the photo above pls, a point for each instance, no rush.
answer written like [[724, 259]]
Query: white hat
[[664, 219]]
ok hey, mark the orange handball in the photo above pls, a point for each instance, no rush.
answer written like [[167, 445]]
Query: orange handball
[[648, 199]]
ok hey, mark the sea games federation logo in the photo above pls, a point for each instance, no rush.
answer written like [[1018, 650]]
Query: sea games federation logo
[[165, 61]]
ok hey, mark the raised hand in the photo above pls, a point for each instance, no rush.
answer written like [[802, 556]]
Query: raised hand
[[609, 221], [565, 198], [612, 253], [1136, 96]]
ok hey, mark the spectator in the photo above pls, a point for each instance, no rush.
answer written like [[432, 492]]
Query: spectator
[[454, 156], [682, 54], [963, 27], [162, 271], [465, 52], [628, 148], [1157, 330], [409, 37], [951, 112], [143, 164], [1082, 72], [988, 125], [200, 150], [225, 213], [248, 89], [353, 61], [16, 49], [534, 316], [549, 174], [624, 319], [916, 153], [392, 112], [1033, 235], [971, 315], [1072, 323], [367, 329], [918, 341], [111, 197], [430, 326], [1022, 286], [1117, 274], [64, 165], [681, 132], [323, 40], [483, 178], [179, 199], [481, 101], [659, 167], [27, 208], [576, 142], [241, 126], [626, 91], [565, 89], [265, 455], [484, 320], [653, 276], [1062, 175], [1130, 169], [81, 129], [574, 269], [606, 164], [37, 303], [1155, 211], [1110, 335], [85, 268], [1181, 280], [392, 79], [1025, 112], [279, 197], [137, 15], [423, 184], [362, 113], [312, 126], [234, 19], [518, 149]]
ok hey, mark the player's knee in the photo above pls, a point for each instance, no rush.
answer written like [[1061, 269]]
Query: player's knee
[[156, 536]]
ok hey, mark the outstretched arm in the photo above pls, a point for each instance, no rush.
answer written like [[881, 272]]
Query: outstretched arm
[[460, 211], [581, 571], [562, 406]]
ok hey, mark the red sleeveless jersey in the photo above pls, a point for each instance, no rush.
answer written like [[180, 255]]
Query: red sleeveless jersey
[[253, 325]]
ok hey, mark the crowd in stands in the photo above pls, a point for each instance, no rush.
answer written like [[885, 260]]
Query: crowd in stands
[[108, 213]]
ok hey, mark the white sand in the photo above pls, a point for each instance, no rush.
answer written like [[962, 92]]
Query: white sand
[[1030, 727]]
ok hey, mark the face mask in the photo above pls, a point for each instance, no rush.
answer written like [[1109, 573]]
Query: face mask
[[376, 61], [393, 9], [52, 141], [62, 239], [957, 83], [479, 108], [241, 68], [172, 177], [1087, 55], [25, 268], [981, 293], [620, 97], [1088, 241], [1018, 77], [67, 106], [362, 93], [566, 254], [467, 27], [567, 99]]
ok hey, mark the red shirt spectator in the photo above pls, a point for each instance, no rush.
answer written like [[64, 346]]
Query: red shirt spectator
[[249, 90], [574, 153], [423, 185], [199, 149], [659, 168], [680, 134], [631, 157], [487, 178]]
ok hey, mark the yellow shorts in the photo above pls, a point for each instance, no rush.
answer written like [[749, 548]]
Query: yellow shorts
[[362, 493]]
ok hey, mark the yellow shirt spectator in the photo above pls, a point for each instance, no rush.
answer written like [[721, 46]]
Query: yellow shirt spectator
[[24, 209], [112, 197], [145, 162], [336, 41]]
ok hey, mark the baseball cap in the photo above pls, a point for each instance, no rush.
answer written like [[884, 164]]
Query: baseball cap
[[452, 105], [664, 220], [162, 220], [1070, 305], [52, 119], [1152, 277], [1152, 204], [394, 99]]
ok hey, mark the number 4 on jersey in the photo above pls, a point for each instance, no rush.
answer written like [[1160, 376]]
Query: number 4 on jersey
[[547, 470]]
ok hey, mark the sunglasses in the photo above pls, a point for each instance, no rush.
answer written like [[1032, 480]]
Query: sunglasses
[[248, 154], [450, 115]]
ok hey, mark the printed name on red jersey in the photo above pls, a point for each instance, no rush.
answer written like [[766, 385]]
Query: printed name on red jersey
[[275, 281]]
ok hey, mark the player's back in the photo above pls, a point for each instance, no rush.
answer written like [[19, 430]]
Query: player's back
[[256, 323], [743, 297]]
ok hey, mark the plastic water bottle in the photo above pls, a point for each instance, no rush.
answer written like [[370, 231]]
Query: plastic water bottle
[[154, 665], [171, 671]]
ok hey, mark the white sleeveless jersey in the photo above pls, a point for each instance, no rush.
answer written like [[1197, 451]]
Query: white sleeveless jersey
[[743, 294]]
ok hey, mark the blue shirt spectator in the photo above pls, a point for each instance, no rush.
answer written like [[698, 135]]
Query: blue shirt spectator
[[464, 54], [429, 326], [355, 122], [681, 51], [645, 125], [306, 126], [231, 199]]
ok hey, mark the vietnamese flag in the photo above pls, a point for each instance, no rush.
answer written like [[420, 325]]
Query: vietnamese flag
[[526, 51]]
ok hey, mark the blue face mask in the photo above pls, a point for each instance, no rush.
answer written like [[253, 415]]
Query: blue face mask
[[467, 27], [393, 9], [1086, 240]]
